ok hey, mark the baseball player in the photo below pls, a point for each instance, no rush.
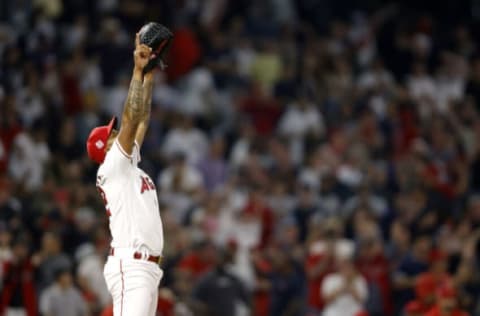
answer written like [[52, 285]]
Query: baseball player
[[132, 271]]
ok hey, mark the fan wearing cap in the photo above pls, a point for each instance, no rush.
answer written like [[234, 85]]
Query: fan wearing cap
[[132, 271]]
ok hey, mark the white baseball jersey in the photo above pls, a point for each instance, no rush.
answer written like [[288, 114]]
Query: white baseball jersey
[[131, 201]]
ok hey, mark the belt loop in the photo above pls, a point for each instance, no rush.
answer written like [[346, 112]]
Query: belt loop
[[142, 253]]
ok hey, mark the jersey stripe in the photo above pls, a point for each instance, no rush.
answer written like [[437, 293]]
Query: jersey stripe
[[123, 289]]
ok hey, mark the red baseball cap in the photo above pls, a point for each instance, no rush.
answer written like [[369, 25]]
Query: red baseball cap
[[97, 141]]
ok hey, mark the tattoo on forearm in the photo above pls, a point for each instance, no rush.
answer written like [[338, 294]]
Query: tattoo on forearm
[[147, 97], [134, 106]]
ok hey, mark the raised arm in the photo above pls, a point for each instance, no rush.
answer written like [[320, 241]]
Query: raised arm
[[135, 108], [147, 104]]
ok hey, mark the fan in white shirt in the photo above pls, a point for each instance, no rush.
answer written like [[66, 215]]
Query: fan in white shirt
[[344, 292], [187, 139], [300, 120]]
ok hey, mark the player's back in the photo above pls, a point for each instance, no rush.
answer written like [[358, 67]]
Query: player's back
[[131, 201]]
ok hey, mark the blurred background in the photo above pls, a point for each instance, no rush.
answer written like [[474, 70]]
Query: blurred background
[[312, 157]]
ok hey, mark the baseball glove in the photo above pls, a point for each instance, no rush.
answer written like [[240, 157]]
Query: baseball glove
[[158, 38]]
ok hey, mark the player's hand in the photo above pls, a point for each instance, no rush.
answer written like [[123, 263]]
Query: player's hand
[[141, 55], [149, 76]]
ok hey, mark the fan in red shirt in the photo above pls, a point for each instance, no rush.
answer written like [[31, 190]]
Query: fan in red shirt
[[262, 109], [261, 293], [374, 266], [447, 304], [166, 302], [199, 261], [406, 131], [429, 282], [317, 267], [320, 261], [414, 308], [18, 289], [425, 286], [256, 209], [184, 53]]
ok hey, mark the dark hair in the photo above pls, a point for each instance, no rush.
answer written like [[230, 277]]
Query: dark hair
[[60, 271], [22, 239]]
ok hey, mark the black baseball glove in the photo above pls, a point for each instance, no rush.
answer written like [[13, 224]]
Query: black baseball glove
[[158, 38]]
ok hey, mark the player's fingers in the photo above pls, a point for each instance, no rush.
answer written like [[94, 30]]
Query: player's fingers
[[137, 39], [141, 48], [145, 48], [144, 53], [137, 54]]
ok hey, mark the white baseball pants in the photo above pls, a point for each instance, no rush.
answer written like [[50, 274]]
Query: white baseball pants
[[133, 284]]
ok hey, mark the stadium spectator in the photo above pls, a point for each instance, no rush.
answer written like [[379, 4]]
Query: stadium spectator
[[373, 264], [6, 253], [49, 260], [298, 133], [220, 292], [187, 139], [425, 288], [447, 301], [213, 166], [90, 276], [413, 264], [62, 298], [287, 284], [344, 292], [28, 156], [180, 185], [19, 295]]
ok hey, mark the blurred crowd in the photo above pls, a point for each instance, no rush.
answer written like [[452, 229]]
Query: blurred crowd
[[311, 157]]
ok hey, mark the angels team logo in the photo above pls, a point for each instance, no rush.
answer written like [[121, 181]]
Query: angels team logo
[[147, 184]]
